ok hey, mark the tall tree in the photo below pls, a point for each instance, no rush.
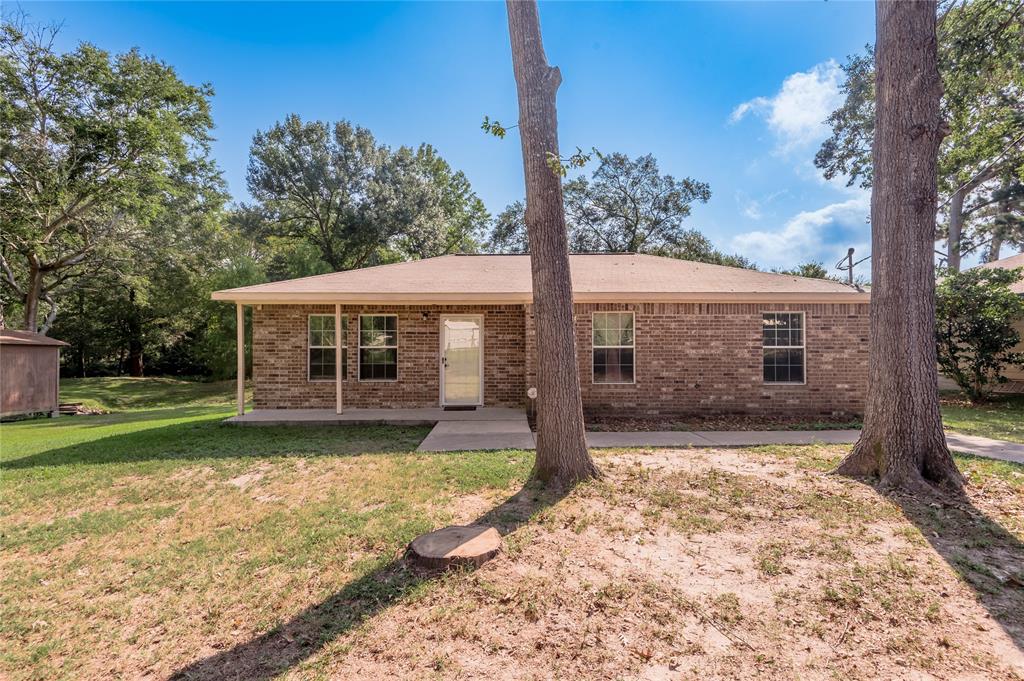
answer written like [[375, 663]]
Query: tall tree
[[562, 456], [626, 205], [979, 46], [357, 201], [902, 440], [91, 146]]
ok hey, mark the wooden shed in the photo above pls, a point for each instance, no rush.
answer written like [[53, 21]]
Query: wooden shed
[[29, 373]]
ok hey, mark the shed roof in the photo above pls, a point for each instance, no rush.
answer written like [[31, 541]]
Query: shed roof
[[621, 277], [14, 337], [1011, 263]]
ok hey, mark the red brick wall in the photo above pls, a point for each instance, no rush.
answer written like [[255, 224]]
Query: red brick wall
[[690, 359], [280, 369], [696, 358]]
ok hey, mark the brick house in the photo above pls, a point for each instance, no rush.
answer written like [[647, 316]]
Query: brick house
[[655, 336]]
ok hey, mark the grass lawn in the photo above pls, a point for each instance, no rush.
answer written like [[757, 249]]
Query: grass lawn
[[157, 543], [1001, 419]]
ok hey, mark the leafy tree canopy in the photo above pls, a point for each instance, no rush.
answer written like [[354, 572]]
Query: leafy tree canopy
[[626, 205], [359, 202], [94, 148], [981, 161]]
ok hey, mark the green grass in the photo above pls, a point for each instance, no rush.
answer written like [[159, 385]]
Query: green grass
[[159, 518], [131, 394], [1001, 419]]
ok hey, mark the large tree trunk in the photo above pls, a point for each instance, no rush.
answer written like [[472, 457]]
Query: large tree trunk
[[33, 293], [902, 441], [562, 456], [135, 364]]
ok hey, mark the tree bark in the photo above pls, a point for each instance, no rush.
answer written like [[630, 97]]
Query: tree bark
[[562, 456], [135, 346], [902, 441], [32, 295]]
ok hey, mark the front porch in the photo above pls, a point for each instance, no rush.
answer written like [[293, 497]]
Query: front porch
[[424, 416]]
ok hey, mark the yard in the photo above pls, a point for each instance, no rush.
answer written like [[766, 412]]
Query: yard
[[154, 542]]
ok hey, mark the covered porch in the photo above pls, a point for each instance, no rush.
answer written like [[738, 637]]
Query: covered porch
[[423, 416]]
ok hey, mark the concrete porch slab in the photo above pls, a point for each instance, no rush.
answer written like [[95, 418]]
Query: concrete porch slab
[[397, 417]]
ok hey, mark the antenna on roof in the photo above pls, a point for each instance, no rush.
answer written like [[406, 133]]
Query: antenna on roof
[[847, 264]]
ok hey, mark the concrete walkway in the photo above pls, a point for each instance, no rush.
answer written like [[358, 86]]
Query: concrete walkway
[[501, 428], [454, 436], [983, 446]]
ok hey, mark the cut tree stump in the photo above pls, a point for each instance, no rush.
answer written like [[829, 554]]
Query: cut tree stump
[[467, 545]]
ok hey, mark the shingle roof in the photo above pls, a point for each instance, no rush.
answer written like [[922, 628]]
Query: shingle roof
[[14, 337], [623, 277], [1011, 263]]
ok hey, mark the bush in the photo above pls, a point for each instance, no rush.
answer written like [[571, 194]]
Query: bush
[[975, 313]]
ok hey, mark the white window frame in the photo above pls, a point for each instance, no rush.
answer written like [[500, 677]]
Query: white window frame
[[632, 347], [802, 346], [360, 347], [344, 348]]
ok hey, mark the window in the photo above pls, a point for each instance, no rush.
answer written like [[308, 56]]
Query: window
[[321, 347], [783, 347], [613, 345], [378, 347]]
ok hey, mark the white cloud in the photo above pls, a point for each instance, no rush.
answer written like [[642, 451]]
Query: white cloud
[[822, 235], [797, 112], [748, 206]]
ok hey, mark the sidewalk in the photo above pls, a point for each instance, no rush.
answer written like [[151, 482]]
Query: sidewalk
[[983, 446], [515, 434]]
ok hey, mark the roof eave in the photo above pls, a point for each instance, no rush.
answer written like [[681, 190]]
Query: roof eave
[[371, 298]]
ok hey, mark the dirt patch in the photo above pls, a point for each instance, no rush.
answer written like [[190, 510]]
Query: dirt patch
[[710, 564]]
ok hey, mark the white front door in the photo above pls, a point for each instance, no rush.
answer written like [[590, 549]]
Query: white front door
[[462, 360]]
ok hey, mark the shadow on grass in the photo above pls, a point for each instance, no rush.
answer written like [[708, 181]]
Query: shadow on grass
[[298, 639], [985, 555], [205, 438]]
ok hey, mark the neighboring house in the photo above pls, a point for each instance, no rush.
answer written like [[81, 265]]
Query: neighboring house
[[1014, 373], [656, 336]]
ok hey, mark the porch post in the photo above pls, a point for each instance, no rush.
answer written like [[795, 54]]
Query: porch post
[[240, 327], [337, 358]]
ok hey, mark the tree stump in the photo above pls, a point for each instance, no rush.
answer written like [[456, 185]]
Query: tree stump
[[466, 545]]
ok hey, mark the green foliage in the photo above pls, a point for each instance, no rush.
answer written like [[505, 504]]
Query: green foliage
[[626, 205], [494, 128], [812, 270], [980, 48], [359, 202], [975, 316], [97, 151]]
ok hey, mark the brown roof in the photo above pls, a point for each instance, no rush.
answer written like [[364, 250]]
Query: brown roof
[[624, 277], [13, 337], [1011, 263]]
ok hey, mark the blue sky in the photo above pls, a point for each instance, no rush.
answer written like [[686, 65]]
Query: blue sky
[[730, 93]]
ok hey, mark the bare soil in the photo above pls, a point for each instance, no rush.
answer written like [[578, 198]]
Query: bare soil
[[716, 564]]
